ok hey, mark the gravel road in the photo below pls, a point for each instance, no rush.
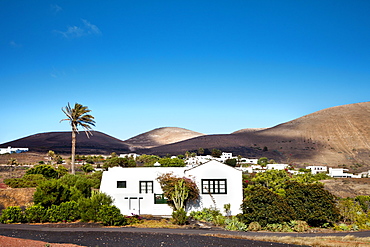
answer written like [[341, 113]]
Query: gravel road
[[125, 236]]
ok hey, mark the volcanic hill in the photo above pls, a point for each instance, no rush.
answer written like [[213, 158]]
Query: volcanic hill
[[60, 142], [161, 136], [333, 136], [336, 136]]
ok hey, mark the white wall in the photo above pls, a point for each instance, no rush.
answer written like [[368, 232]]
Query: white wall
[[216, 170], [128, 199]]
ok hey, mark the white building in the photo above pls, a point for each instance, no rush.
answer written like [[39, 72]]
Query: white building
[[131, 155], [249, 161], [317, 169], [340, 173], [10, 150], [136, 190], [225, 156], [277, 166]]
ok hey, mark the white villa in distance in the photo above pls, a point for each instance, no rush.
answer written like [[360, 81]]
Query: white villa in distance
[[10, 150], [135, 190]]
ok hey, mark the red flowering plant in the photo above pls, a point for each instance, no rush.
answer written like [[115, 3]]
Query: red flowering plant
[[177, 190]]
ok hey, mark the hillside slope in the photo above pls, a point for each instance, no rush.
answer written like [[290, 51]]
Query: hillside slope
[[60, 142], [161, 136], [334, 136]]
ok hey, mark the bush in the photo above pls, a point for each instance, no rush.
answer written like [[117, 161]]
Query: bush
[[206, 214], [46, 170], [312, 203], [27, 181], [179, 217], [12, 214], [36, 214], [65, 212], [283, 227], [299, 225], [79, 183], [265, 207], [133, 219], [51, 192], [351, 212], [110, 216], [254, 226], [233, 224], [89, 207], [219, 220], [94, 179]]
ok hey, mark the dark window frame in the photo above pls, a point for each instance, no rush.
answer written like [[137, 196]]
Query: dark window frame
[[147, 189], [215, 186], [121, 184]]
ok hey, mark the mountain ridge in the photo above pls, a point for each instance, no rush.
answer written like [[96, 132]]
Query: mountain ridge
[[337, 136]]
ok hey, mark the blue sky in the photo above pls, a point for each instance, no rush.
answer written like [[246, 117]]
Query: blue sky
[[209, 66]]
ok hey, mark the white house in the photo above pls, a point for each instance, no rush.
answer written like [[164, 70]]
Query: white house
[[249, 161], [130, 155], [276, 166], [340, 173], [317, 169], [10, 150], [136, 190]]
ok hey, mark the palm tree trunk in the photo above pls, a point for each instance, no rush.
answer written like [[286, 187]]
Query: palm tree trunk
[[73, 152]]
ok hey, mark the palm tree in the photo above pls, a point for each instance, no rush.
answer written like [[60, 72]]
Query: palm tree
[[78, 116]]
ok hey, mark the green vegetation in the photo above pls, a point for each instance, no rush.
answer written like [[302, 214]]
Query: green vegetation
[[171, 162], [119, 161]]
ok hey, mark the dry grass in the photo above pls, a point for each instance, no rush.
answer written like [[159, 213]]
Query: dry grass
[[16, 197], [328, 241], [154, 223]]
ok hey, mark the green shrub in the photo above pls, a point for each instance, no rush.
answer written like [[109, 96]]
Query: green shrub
[[311, 203], [283, 227], [36, 214], [12, 214], [65, 212], [351, 212], [206, 214], [27, 181], [265, 207], [110, 216], [80, 184], [179, 217], [95, 179], [89, 207], [254, 226], [299, 225], [364, 202], [51, 192], [233, 224], [219, 220], [46, 170]]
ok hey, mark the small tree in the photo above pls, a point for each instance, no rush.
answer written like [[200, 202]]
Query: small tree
[[87, 168], [178, 190], [216, 153], [263, 161], [12, 162]]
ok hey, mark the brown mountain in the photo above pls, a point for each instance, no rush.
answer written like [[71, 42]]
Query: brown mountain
[[161, 136], [60, 142], [334, 136]]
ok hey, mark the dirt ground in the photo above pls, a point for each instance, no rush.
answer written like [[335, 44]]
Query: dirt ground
[[11, 242], [348, 187]]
